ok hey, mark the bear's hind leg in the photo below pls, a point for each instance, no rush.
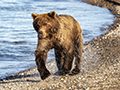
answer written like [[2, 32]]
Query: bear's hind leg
[[76, 70], [78, 55]]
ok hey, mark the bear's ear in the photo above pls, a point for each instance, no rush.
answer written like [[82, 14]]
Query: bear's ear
[[34, 15], [52, 14]]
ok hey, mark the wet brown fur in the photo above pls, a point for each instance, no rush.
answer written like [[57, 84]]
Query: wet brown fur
[[64, 34]]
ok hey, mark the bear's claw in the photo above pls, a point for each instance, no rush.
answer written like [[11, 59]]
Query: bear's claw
[[75, 71], [45, 75]]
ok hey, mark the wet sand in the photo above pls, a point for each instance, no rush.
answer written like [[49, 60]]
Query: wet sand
[[100, 67]]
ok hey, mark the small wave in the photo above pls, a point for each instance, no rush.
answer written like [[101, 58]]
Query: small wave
[[19, 42], [15, 8], [13, 42]]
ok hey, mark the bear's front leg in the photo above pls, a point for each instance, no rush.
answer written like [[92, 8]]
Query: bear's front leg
[[44, 45], [40, 61]]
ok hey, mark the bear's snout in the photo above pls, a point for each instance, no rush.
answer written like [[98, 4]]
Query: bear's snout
[[40, 32]]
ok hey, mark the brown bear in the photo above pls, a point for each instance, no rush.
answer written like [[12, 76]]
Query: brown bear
[[64, 34]]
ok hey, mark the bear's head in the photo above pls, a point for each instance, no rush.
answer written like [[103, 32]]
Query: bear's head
[[45, 24]]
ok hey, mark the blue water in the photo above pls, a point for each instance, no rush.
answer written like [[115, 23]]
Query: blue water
[[18, 39]]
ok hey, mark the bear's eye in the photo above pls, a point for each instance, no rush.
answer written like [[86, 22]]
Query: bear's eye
[[45, 24], [37, 27]]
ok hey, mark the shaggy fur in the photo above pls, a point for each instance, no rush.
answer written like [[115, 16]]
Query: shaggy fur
[[64, 34]]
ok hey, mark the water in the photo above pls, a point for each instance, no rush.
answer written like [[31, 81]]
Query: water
[[18, 39]]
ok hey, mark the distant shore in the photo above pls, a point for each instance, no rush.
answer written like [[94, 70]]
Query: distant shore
[[100, 68], [112, 6]]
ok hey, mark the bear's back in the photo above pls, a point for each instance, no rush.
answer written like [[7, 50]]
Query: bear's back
[[70, 24]]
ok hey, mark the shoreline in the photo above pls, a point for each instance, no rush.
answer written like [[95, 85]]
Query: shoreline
[[103, 73], [112, 6]]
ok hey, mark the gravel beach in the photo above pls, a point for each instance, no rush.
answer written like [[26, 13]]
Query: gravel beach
[[100, 67]]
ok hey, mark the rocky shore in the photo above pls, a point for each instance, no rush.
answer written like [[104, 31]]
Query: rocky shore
[[100, 67]]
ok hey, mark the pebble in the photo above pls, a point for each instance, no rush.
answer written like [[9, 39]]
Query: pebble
[[69, 88], [88, 88], [22, 73], [62, 79], [79, 78]]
